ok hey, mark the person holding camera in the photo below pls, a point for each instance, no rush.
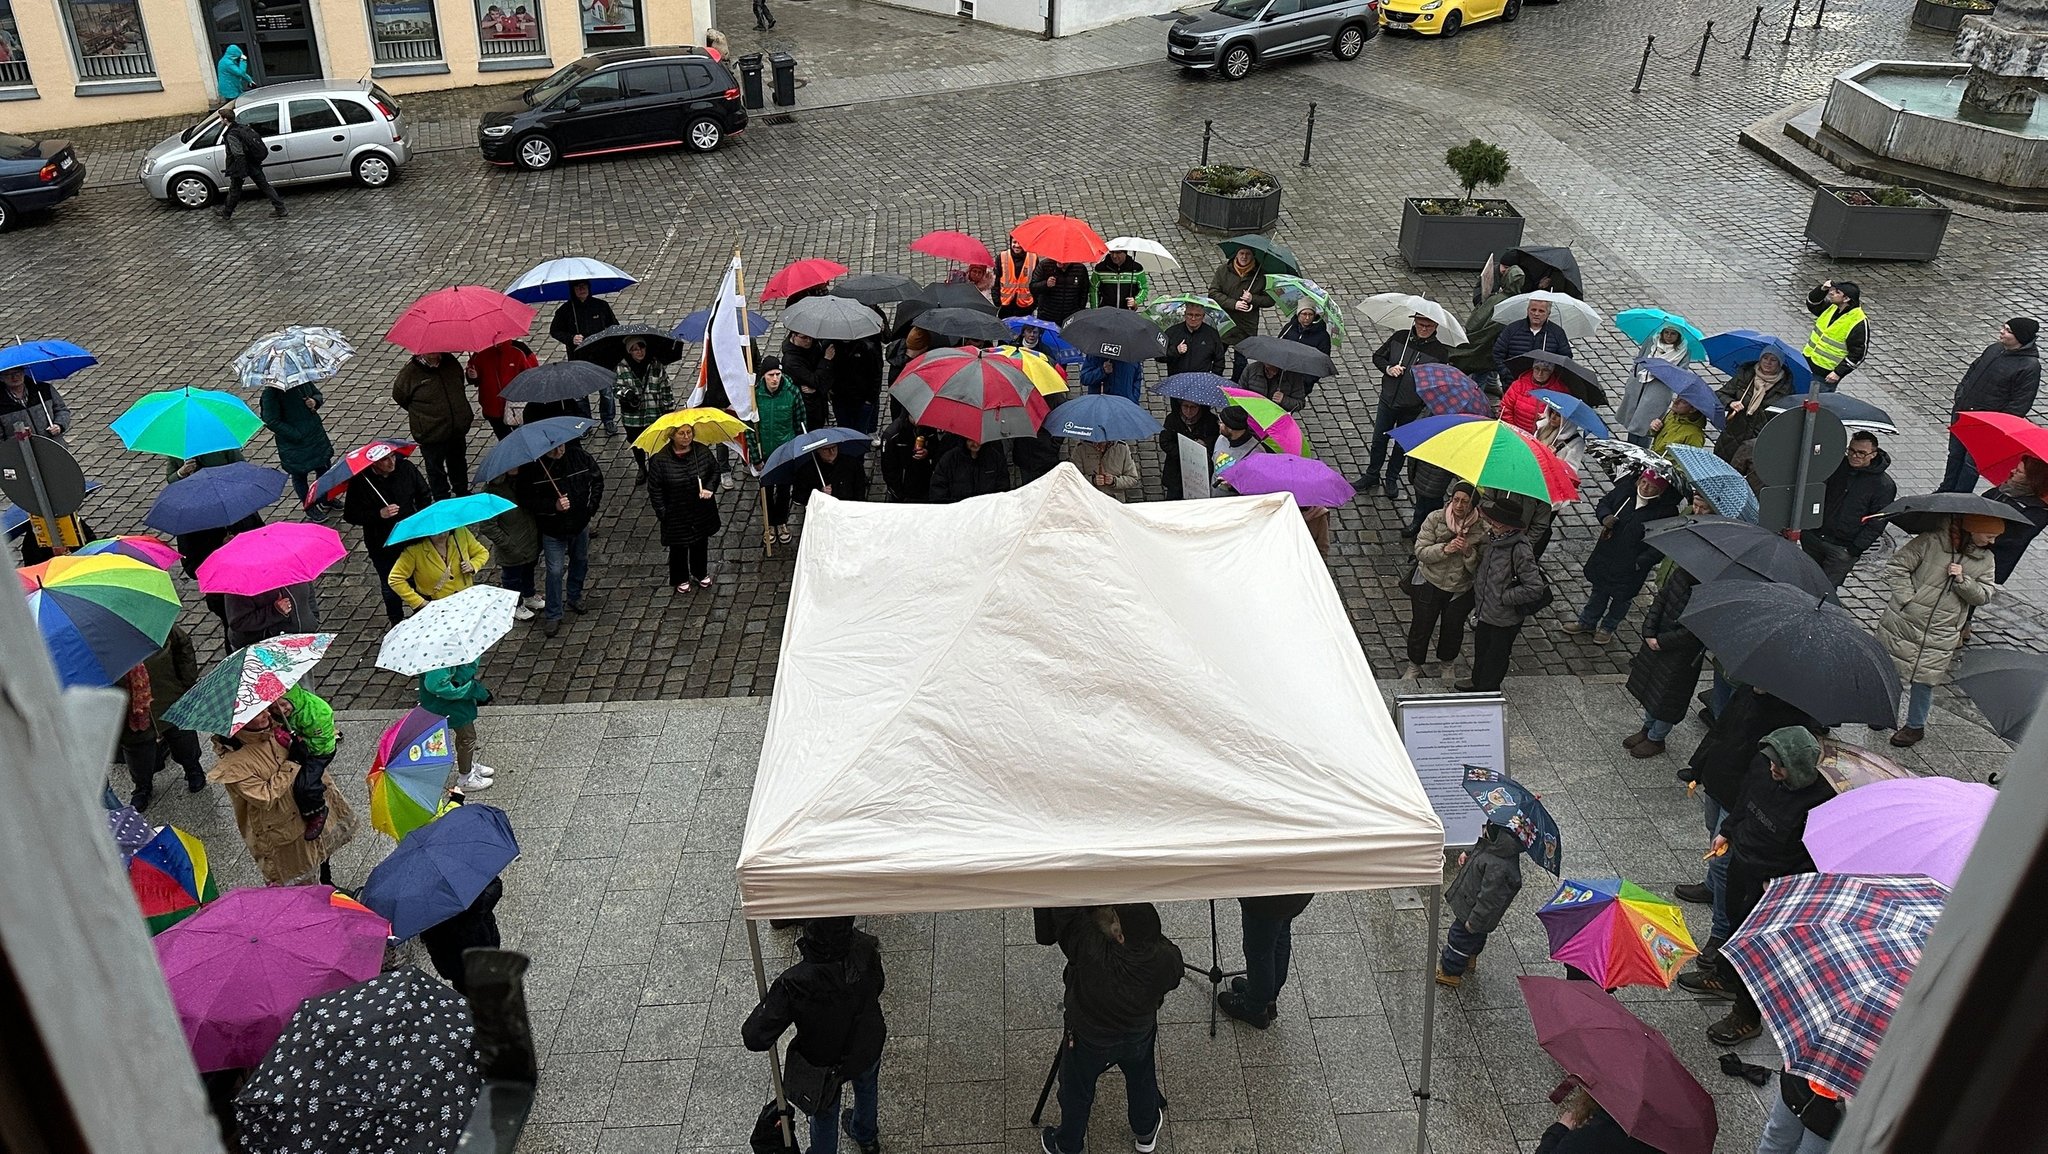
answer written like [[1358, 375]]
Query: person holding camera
[[834, 999], [1120, 967]]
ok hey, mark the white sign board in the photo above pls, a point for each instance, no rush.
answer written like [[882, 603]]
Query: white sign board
[[1445, 732], [1194, 468]]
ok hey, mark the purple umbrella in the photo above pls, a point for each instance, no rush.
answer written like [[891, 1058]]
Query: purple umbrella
[[238, 969], [1311, 481], [1446, 390], [1628, 1068], [1919, 825]]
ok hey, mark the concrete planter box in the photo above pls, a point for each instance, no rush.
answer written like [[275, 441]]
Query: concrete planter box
[[1431, 241], [1875, 231], [1229, 215], [1935, 16]]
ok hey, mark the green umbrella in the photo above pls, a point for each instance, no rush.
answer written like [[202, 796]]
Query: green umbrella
[[1292, 290], [1273, 256], [1166, 311], [184, 423]]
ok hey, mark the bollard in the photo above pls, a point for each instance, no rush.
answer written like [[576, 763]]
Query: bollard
[[1308, 142], [1208, 126], [1754, 23], [1701, 60], [1820, 15], [1790, 22], [1645, 67]]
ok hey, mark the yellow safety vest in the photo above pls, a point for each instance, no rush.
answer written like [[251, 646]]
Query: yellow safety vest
[[1830, 340]]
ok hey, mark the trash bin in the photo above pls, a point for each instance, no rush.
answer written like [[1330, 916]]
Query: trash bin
[[785, 78], [750, 80]]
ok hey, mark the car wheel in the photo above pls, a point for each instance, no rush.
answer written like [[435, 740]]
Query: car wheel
[[1350, 42], [536, 152], [1452, 23], [192, 190], [1512, 12], [704, 134], [374, 170], [1237, 63], [6, 216]]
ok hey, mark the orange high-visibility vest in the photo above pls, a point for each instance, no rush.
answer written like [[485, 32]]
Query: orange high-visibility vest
[[1014, 276]]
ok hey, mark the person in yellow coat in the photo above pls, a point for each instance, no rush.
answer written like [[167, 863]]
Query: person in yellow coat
[[436, 567]]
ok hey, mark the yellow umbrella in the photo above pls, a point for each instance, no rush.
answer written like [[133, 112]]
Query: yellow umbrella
[[1038, 368], [714, 426]]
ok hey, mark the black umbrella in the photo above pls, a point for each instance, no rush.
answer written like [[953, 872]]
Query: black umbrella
[[382, 1066], [1928, 512], [2006, 685], [607, 347], [877, 288], [1287, 356], [1114, 335], [964, 324], [1543, 260], [1798, 647], [957, 294], [1582, 382], [1723, 548], [528, 443], [832, 318], [559, 381], [1854, 412]]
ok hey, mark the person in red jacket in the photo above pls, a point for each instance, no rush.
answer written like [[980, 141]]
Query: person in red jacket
[[493, 369], [1519, 405]]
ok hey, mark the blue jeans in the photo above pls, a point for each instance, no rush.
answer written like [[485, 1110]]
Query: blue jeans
[[1384, 421], [1460, 947], [1083, 1061], [518, 578], [866, 1128], [1657, 730], [1784, 1133], [1717, 869], [1919, 703], [1604, 610], [1268, 947], [573, 555], [608, 407]]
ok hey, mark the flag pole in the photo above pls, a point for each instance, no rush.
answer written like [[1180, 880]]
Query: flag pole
[[739, 284]]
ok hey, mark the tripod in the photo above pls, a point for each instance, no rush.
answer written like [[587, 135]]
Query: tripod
[[1215, 973]]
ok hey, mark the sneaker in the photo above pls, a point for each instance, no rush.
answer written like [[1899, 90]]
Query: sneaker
[[521, 613], [1146, 1143], [1238, 986], [1695, 893], [1235, 1007], [1045, 1140], [846, 1127], [1733, 1030], [726, 483], [484, 771], [473, 782], [1705, 984], [537, 601], [317, 513]]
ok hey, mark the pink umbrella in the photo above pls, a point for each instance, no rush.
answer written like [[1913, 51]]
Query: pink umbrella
[[238, 969], [1283, 430], [272, 557], [145, 549], [1917, 825]]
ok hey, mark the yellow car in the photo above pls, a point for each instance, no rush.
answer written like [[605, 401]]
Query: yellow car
[[1444, 17]]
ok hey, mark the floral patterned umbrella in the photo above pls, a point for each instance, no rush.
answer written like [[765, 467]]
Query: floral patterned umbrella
[[247, 682]]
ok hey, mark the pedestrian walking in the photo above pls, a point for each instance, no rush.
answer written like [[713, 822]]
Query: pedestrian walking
[[1118, 282], [2027, 491], [293, 417], [255, 768], [1666, 669], [438, 566], [1745, 400], [493, 369], [1187, 419], [2005, 378], [1439, 585], [1120, 968], [1108, 465], [562, 492], [682, 485], [1399, 403], [455, 693], [1507, 589], [515, 544], [246, 151], [1937, 580], [1488, 878], [833, 997], [1240, 287], [1803, 1119], [31, 406], [1859, 488], [779, 418], [1621, 561], [172, 670], [384, 494], [1268, 925], [231, 73], [970, 469], [307, 722], [1538, 333], [1194, 345], [1841, 332], [432, 390], [644, 395], [1061, 289], [290, 609]]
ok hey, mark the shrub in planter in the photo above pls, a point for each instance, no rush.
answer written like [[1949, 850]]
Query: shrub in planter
[[1946, 15], [1443, 232], [1877, 223], [1228, 198]]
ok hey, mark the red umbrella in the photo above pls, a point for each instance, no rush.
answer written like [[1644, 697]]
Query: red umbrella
[[337, 477], [464, 319], [980, 395], [798, 275], [1997, 441], [1627, 1067], [1063, 238], [949, 245]]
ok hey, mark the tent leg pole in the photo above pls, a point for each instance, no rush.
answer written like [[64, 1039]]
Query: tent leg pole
[[774, 1063], [1436, 894]]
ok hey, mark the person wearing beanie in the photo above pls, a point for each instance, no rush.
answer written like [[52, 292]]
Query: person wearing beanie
[[1841, 332], [1506, 589], [1621, 560], [779, 417], [2003, 379], [1937, 580], [1234, 442]]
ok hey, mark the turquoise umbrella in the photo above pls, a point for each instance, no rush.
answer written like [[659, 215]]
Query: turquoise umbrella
[[184, 423], [1639, 325], [446, 515]]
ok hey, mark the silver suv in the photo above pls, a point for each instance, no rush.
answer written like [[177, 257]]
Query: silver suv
[[317, 130], [1236, 34]]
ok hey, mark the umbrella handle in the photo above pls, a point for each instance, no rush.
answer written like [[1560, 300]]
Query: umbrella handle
[[549, 474]]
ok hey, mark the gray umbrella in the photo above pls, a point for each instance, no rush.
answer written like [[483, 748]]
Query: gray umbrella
[[1776, 637], [964, 324], [831, 318], [957, 294], [1928, 512], [2007, 685], [559, 381], [877, 288], [1288, 356]]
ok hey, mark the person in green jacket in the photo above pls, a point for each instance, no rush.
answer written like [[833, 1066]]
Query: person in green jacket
[[1680, 425], [781, 410], [644, 394], [309, 721], [293, 417], [454, 693]]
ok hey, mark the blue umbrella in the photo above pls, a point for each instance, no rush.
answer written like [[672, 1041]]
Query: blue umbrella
[[448, 514], [1049, 340], [440, 868], [551, 280], [1642, 324], [1686, 384], [1731, 350], [1414, 433], [1576, 411], [527, 442], [1446, 390], [1716, 480], [782, 464], [1510, 805], [1101, 417], [46, 360], [14, 519], [214, 498], [693, 327], [1201, 388]]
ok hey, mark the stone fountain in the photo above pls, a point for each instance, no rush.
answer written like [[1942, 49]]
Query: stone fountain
[[2007, 52]]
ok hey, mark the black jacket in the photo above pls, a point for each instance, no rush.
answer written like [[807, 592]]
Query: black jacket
[[1035, 456], [1114, 989], [1285, 907], [959, 476], [1599, 1134], [1621, 562], [846, 474], [584, 318], [1405, 348], [474, 928], [41, 406], [1057, 302], [574, 475], [2000, 380], [675, 486], [195, 548], [405, 487], [1854, 492], [1767, 828], [833, 998], [1663, 679], [1315, 336], [2013, 541], [1203, 432], [1204, 350], [245, 148], [1725, 754]]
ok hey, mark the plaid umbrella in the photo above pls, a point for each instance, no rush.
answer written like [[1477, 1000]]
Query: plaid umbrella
[[1715, 479], [1446, 390], [981, 396], [1827, 956]]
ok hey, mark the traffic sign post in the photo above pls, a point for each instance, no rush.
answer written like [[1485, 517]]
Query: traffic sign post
[[41, 476], [1796, 447]]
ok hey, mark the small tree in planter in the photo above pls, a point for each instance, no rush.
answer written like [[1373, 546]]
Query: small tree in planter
[[1230, 199], [1441, 232], [1877, 223]]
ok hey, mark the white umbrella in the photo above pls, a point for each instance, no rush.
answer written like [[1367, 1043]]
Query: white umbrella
[[456, 629], [1140, 246], [1396, 310], [550, 280], [1578, 319]]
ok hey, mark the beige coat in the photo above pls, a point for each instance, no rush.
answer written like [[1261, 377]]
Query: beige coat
[[258, 778], [1108, 457], [1922, 627], [1450, 572]]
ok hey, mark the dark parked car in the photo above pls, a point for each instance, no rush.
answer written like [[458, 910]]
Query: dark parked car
[[617, 101], [35, 175]]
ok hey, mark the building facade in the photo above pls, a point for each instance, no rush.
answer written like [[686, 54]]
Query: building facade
[[65, 63]]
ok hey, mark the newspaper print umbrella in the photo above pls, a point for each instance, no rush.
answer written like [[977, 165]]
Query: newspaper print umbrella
[[1827, 957], [232, 693], [454, 630], [979, 395], [297, 355], [382, 1066]]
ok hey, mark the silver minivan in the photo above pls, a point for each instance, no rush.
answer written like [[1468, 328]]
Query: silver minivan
[[317, 130]]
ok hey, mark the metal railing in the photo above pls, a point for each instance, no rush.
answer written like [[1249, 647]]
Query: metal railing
[[408, 51], [14, 74], [494, 46], [118, 66]]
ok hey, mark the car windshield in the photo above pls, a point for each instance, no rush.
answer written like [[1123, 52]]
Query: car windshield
[[1239, 9], [553, 86], [12, 147]]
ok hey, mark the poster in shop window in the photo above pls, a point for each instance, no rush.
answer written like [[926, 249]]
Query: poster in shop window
[[402, 21], [108, 27], [610, 15]]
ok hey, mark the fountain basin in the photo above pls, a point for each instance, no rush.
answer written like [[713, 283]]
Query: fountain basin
[[1910, 113]]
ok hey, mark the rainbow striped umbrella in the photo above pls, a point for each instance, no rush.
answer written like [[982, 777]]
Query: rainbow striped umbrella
[[1491, 455], [1618, 932], [408, 778], [187, 422], [100, 616], [171, 878], [139, 547]]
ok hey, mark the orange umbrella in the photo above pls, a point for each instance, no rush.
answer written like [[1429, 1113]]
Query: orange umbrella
[[1066, 239]]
